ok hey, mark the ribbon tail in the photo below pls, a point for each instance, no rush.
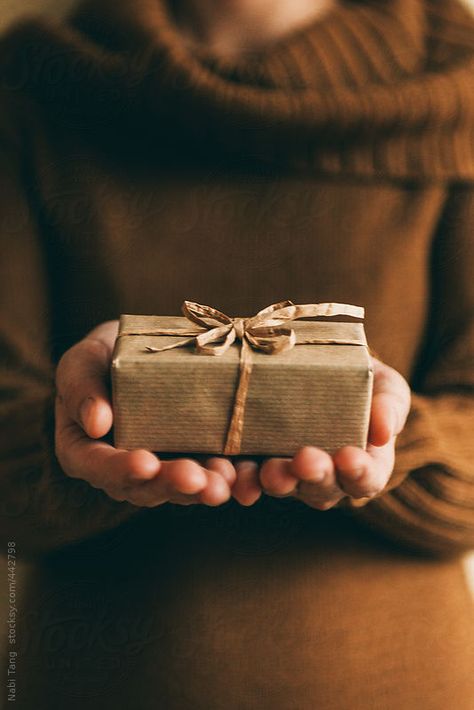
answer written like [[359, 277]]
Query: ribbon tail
[[179, 344], [236, 426], [331, 341]]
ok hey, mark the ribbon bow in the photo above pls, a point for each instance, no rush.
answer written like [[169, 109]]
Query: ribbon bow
[[265, 331]]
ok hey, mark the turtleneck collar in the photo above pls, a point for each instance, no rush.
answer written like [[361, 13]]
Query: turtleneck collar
[[378, 88]]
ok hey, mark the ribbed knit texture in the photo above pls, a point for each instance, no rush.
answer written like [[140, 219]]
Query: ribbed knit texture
[[382, 89], [336, 164], [367, 67]]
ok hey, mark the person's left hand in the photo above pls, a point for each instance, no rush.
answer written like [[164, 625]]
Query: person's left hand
[[321, 480]]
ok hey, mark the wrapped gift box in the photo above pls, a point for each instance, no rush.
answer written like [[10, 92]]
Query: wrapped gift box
[[177, 400]]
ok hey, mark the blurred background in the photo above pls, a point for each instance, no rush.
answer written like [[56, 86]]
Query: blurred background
[[10, 10]]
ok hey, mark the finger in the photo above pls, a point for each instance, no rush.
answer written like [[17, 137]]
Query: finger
[[182, 481], [96, 461], [361, 474], [223, 466], [102, 466], [312, 464], [179, 481], [217, 490], [81, 379], [96, 416], [183, 476], [276, 477], [314, 497], [136, 476], [390, 404], [318, 487], [247, 489]]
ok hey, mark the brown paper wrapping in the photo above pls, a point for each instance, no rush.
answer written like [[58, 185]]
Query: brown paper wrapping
[[181, 402]]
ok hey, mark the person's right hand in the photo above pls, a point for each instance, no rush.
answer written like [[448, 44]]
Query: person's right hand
[[83, 413]]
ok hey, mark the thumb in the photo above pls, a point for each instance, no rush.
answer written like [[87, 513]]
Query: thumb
[[390, 404], [82, 383]]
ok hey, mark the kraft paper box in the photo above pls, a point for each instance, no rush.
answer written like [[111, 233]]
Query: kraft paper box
[[180, 401]]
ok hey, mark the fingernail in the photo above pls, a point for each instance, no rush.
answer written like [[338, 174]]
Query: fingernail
[[85, 410]]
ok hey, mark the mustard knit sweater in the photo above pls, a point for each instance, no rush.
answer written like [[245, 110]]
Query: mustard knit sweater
[[337, 164]]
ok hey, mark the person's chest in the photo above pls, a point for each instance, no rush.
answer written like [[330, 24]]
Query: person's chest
[[141, 241]]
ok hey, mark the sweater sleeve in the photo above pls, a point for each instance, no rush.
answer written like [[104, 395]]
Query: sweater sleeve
[[428, 502], [40, 507]]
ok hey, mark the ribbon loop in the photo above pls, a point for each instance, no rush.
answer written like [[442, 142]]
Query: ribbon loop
[[272, 340], [192, 311], [206, 342]]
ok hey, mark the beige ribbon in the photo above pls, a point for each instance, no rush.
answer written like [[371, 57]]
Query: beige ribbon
[[264, 331]]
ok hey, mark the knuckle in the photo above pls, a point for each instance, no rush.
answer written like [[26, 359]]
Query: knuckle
[[65, 379], [89, 349], [93, 347], [68, 359]]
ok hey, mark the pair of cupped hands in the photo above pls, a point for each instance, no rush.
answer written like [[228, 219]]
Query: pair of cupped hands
[[84, 416]]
